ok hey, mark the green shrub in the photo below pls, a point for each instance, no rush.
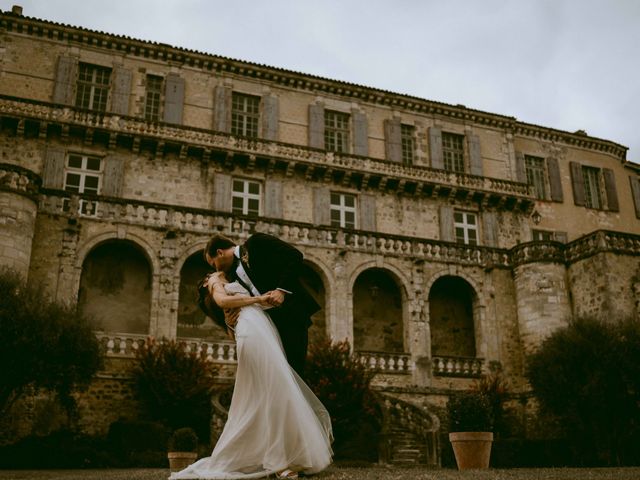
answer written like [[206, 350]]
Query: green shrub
[[45, 345], [126, 438], [495, 388], [183, 440], [175, 386], [342, 383], [588, 375], [470, 411]]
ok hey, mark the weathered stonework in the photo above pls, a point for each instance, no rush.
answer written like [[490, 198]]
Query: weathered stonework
[[384, 281]]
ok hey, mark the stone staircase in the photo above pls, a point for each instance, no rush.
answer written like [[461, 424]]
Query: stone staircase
[[409, 434]]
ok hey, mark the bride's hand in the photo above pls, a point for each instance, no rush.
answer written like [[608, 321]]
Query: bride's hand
[[264, 299]]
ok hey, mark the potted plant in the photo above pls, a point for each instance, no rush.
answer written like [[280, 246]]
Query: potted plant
[[471, 425], [183, 446]]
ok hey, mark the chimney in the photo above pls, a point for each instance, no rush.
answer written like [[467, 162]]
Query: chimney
[[16, 10]]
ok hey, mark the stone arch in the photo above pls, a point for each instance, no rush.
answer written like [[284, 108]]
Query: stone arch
[[453, 311], [379, 306], [115, 286], [141, 243], [315, 279], [191, 321]]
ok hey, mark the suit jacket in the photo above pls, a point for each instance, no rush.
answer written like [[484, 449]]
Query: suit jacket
[[271, 264]]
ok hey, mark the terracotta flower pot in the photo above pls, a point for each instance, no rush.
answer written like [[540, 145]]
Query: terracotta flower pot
[[472, 449], [181, 460]]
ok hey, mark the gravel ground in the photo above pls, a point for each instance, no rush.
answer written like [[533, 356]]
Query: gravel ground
[[347, 473]]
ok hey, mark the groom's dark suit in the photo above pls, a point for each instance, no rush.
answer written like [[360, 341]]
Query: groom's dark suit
[[271, 263]]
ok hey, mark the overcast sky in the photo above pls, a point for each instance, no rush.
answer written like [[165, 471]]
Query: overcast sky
[[567, 64]]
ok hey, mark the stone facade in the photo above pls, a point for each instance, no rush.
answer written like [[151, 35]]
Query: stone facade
[[442, 241]]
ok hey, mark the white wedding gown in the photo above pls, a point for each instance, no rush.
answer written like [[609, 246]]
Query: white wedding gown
[[275, 421]]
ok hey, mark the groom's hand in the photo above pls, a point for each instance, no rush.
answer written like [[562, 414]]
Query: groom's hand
[[231, 316], [276, 297]]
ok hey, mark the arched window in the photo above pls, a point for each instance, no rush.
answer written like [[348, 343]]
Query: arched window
[[115, 288], [192, 322], [377, 312], [451, 317], [312, 281]]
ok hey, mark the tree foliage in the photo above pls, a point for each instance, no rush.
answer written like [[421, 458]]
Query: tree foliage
[[44, 345], [588, 375], [342, 383], [174, 385]]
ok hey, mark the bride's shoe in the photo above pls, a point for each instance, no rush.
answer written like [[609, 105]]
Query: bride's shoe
[[287, 474]]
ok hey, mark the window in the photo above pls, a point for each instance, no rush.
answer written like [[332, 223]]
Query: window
[[407, 135], [92, 87], [466, 227], [336, 131], [453, 152], [542, 235], [245, 113], [534, 167], [245, 197], [83, 174], [343, 210], [592, 193], [152, 98]]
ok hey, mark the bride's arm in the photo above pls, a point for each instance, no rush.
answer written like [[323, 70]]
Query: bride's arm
[[232, 301]]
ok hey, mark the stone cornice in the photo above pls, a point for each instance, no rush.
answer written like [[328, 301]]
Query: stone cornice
[[313, 164], [291, 79]]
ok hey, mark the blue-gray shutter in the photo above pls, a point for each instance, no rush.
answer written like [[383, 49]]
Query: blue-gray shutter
[[173, 98], [555, 182], [270, 117], [53, 168], [222, 109], [360, 134], [273, 199], [66, 76], [367, 212], [393, 139], [435, 147], [490, 229], [113, 176], [316, 126], [222, 192], [521, 172], [121, 91], [635, 193], [475, 157], [610, 188], [321, 206], [447, 233], [577, 180]]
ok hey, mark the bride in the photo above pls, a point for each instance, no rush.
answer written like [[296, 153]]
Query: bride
[[275, 423]]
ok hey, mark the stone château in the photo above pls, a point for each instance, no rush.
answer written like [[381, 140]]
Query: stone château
[[442, 241]]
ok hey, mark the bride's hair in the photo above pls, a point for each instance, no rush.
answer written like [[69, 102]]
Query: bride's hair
[[208, 305]]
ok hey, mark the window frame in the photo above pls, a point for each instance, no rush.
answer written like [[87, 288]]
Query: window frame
[[336, 131], [152, 111], [537, 176], [592, 181], [245, 114], [83, 172], [342, 209], [246, 196], [466, 227], [87, 88], [408, 143], [453, 156]]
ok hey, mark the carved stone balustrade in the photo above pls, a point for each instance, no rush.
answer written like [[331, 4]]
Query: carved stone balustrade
[[457, 366], [383, 362], [308, 161]]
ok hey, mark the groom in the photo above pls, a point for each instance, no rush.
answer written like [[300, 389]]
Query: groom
[[264, 264]]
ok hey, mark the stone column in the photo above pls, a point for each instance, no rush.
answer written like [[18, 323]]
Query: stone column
[[18, 210], [541, 292]]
